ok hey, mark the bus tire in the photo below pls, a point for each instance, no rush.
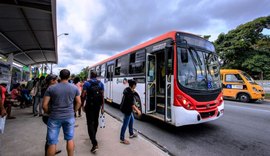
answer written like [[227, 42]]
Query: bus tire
[[139, 106], [244, 97]]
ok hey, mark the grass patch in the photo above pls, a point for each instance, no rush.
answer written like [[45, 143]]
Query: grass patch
[[267, 96]]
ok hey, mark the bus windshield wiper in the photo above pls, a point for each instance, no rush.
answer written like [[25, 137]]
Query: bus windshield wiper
[[194, 61], [197, 61]]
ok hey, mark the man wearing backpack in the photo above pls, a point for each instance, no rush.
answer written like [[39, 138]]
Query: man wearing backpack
[[93, 91]]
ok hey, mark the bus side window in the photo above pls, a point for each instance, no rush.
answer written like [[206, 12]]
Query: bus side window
[[137, 62], [102, 70], [117, 67], [124, 65], [98, 71]]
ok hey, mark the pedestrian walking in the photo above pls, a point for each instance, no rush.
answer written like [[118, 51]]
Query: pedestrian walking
[[61, 112], [127, 106], [93, 91]]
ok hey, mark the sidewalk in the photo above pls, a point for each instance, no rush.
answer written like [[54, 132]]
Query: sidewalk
[[25, 136]]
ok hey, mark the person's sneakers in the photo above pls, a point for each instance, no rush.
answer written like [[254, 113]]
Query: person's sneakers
[[94, 149], [126, 142], [134, 135]]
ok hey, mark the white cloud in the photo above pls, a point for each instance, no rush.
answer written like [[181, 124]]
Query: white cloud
[[98, 28]]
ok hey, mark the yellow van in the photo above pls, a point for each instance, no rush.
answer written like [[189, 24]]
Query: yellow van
[[239, 85]]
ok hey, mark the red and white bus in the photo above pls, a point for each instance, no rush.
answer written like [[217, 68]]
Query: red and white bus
[[177, 74]]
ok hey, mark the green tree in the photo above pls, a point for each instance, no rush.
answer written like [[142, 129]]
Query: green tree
[[84, 73], [246, 48]]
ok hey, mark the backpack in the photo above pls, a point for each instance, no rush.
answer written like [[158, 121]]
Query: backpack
[[122, 104], [94, 94]]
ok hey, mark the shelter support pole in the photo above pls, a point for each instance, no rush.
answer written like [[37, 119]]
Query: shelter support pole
[[30, 72], [51, 68], [42, 71], [10, 60]]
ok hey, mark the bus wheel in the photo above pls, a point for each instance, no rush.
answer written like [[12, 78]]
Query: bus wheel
[[243, 97], [139, 106]]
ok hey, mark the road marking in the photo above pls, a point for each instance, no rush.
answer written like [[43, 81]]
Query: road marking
[[268, 111], [259, 105]]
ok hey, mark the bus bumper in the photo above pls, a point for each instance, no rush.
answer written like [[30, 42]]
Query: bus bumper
[[189, 117]]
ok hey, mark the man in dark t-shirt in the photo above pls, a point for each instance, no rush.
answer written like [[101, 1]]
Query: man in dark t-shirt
[[61, 97], [93, 107]]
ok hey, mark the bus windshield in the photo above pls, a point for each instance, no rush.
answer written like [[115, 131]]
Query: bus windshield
[[249, 78], [201, 72]]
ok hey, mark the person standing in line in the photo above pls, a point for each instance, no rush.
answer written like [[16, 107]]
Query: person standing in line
[[30, 84], [33, 93], [78, 84], [93, 91], [39, 96], [61, 112], [29, 87], [2, 100], [127, 106]]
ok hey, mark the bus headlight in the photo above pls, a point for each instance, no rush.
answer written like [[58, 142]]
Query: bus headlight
[[185, 102], [220, 100]]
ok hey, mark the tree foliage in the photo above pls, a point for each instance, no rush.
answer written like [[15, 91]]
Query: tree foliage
[[83, 74], [246, 48]]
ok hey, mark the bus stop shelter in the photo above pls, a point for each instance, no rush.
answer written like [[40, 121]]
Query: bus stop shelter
[[28, 34]]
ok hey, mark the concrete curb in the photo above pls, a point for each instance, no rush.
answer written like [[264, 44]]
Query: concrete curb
[[144, 136]]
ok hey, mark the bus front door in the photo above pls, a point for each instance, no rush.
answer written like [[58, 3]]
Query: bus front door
[[151, 84], [109, 83]]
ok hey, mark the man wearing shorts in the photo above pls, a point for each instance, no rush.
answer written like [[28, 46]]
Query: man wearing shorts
[[58, 103]]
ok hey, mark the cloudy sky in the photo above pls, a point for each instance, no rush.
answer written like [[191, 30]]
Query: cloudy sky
[[99, 29]]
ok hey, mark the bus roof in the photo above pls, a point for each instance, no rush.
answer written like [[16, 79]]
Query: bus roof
[[167, 35]]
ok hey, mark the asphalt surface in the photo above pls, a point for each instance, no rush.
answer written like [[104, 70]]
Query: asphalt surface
[[243, 130]]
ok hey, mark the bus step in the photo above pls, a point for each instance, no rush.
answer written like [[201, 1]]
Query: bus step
[[161, 106], [157, 116], [109, 100]]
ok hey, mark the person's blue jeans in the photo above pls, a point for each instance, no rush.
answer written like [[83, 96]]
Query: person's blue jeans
[[54, 126], [38, 101], [127, 121]]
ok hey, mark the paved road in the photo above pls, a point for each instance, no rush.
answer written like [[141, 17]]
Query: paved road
[[243, 130]]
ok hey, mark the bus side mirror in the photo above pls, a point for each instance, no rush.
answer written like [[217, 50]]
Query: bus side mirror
[[184, 55]]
